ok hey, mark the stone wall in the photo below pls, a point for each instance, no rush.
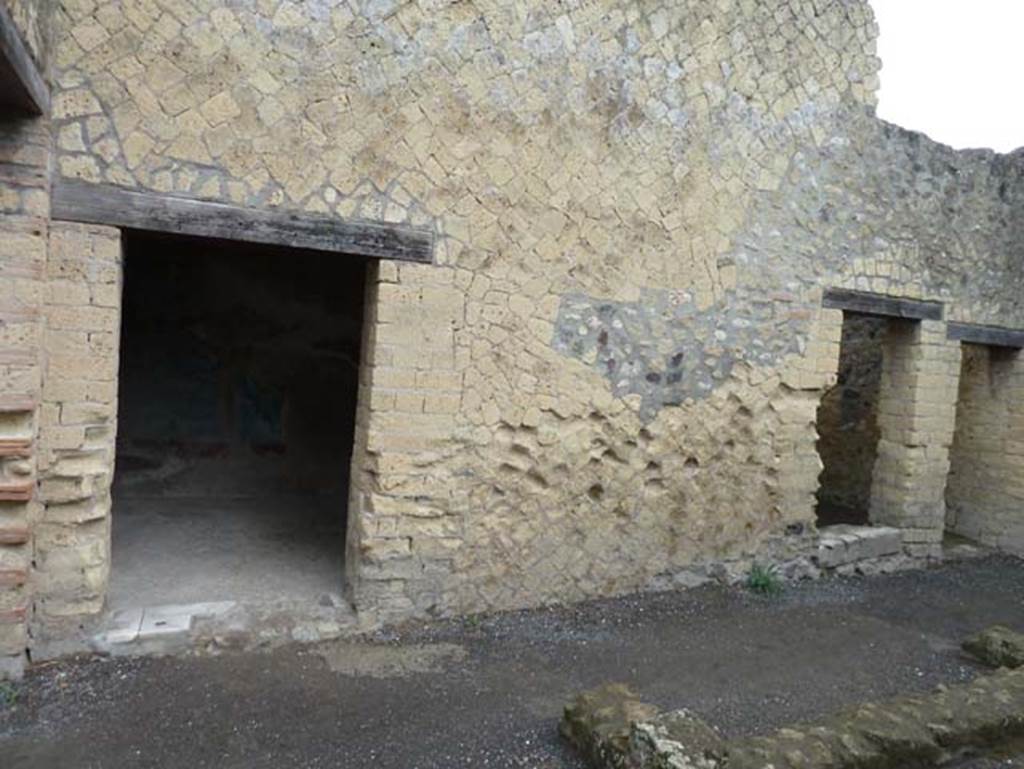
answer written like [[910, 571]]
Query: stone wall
[[25, 163], [24, 209], [916, 417], [405, 524], [610, 377], [985, 495], [78, 421]]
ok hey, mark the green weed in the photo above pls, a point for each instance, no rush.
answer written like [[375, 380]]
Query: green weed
[[764, 580], [8, 695]]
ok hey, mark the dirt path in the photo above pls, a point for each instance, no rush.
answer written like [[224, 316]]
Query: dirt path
[[488, 692]]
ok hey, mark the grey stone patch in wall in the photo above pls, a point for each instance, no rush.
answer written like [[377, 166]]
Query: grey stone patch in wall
[[664, 348]]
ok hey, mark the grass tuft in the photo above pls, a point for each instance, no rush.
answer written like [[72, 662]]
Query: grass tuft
[[764, 580], [8, 695]]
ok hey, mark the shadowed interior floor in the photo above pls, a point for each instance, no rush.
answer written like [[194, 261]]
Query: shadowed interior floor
[[191, 550], [175, 544], [237, 391]]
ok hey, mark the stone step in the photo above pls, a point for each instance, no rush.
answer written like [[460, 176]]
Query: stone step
[[154, 630], [844, 544]]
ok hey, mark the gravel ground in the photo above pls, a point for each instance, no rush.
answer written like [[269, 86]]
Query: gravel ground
[[488, 691]]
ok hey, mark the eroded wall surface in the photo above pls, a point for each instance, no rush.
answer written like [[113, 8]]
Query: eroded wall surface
[[610, 377]]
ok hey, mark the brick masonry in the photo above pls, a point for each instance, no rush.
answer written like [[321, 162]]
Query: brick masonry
[[539, 419], [985, 494], [916, 417], [78, 418], [403, 537], [24, 209]]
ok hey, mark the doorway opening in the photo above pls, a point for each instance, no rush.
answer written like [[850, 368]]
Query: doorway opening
[[239, 370], [847, 424], [984, 493]]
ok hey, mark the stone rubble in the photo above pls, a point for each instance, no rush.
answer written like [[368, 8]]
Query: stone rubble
[[613, 729], [997, 646]]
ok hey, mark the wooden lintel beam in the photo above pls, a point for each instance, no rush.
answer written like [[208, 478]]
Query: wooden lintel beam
[[879, 304], [77, 201], [23, 89], [993, 336]]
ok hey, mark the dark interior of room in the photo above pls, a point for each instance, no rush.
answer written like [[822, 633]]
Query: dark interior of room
[[238, 380], [848, 424]]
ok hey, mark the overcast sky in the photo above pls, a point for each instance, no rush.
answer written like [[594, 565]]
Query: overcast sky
[[954, 69]]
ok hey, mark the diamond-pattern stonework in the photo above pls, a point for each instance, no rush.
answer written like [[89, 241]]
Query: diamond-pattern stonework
[[609, 378]]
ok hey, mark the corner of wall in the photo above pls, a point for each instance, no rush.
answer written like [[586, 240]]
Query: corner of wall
[[78, 413], [24, 211], [402, 533]]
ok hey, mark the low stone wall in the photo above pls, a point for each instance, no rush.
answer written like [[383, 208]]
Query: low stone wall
[[860, 549], [613, 729], [913, 731]]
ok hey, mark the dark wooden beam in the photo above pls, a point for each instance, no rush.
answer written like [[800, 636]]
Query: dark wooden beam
[[23, 91], [78, 201], [877, 304], [993, 336]]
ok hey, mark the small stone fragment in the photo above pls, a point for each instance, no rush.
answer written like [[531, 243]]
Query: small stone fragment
[[598, 724], [676, 739], [997, 646]]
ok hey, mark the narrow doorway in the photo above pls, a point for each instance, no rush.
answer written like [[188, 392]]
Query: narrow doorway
[[239, 370], [984, 491], [847, 424]]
